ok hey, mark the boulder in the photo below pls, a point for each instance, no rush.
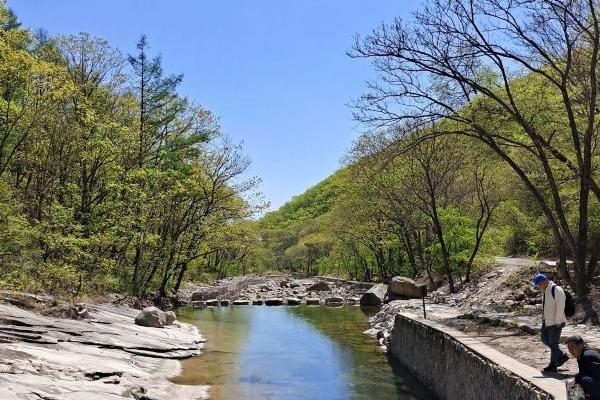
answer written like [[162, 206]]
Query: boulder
[[438, 298], [320, 286], [197, 296], [374, 297], [529, 292], [152, 317], [518, 297], [510, 303], [371, 332], [82, 312], [171, 317], [404, 287], [534, 301]]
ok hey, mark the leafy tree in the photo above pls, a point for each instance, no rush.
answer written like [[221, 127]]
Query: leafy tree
[[472, 68], [111, 180]]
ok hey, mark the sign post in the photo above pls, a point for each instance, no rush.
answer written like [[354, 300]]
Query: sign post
[[423, 294]]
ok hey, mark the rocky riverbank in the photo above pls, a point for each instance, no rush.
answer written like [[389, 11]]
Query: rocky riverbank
[[276, 290], [100, 355]]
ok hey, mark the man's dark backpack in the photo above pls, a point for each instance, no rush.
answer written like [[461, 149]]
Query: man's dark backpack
[[569, 302]]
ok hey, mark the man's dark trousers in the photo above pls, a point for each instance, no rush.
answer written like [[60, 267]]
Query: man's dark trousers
[[551, 338], [591, 387]]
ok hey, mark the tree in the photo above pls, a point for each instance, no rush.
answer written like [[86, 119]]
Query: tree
[[219, 200], [30, 89], [158, 101], [359, 222], [437, 201], [520, 76], [8, 18]]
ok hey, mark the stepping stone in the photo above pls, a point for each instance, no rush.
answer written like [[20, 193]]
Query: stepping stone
[[352, 300], [198, 304], [276, 301], [313, 301], [292, 301], [224, 303], [334, 300], [257, 302], [212, 302], [240, 302]]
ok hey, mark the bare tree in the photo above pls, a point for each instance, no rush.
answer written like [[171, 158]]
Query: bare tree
[[459, 68]]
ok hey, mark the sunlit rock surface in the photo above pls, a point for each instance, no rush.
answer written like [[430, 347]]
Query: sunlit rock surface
[[106, 356]]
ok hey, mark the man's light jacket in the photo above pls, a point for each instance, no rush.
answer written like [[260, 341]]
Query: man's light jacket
[[554, 306]]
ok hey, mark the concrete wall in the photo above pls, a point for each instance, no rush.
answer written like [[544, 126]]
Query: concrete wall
[[442, 359]]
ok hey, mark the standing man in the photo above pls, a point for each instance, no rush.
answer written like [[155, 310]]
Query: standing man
[[588, 361], [554, 319]]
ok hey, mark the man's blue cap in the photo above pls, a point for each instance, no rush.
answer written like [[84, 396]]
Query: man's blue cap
[[539, 278]]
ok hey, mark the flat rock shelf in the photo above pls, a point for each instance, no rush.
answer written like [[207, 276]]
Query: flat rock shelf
[[105, 356]]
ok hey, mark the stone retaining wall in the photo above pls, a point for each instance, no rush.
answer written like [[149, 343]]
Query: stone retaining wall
[[444, 360]]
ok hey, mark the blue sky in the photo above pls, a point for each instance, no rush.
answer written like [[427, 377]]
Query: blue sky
[[274, 71]]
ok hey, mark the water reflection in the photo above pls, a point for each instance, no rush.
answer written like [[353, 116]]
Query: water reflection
[[290, 353]]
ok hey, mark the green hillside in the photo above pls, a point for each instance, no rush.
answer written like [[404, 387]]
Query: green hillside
[[314, 202]]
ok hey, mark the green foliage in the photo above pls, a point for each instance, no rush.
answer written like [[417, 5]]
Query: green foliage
[[311, 204], [16, 235], [110, 180], [459, 235], [373, 219]]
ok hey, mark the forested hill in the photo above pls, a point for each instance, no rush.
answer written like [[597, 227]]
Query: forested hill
[[314, 202]]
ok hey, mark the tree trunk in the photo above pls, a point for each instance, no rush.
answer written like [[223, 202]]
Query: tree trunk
[[437, 227], [136, 269], [180, 275], [582, 292]]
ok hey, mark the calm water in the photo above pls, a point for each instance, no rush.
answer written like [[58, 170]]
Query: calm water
[[259, 352]]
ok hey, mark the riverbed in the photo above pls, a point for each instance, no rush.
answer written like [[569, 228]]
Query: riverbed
[[303, 352]]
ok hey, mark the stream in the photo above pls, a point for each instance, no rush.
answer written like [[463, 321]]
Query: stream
[[303, 352]]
